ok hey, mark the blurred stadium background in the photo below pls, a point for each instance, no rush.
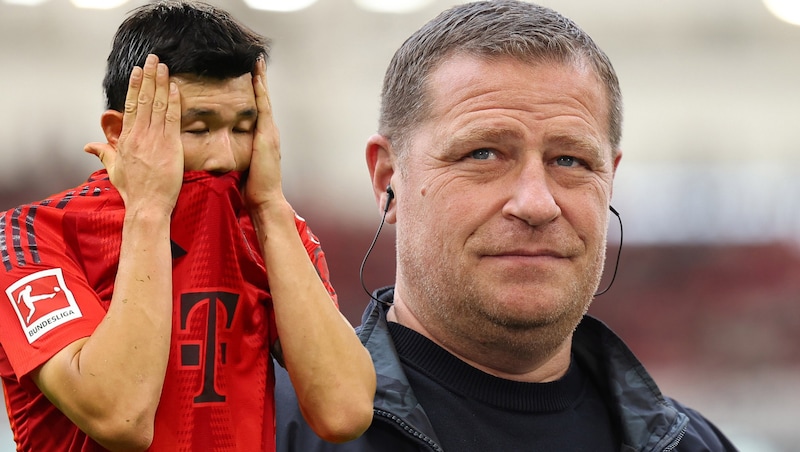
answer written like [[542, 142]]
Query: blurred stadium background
[[708, 291]]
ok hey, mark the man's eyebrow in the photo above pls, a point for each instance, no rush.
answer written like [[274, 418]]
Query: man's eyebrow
[[574, 141], [579, 143], [485, 135], [248, 113], [198, 113]]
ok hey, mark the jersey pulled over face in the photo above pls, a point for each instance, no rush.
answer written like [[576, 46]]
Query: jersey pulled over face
[[58, 263]]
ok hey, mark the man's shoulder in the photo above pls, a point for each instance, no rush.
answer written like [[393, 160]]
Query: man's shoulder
[[40, 234], [701, 433], [88, 196], [95, 193], [645, 412]]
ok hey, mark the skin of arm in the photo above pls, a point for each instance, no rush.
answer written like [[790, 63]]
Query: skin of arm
[[331, 371], [109, 384]]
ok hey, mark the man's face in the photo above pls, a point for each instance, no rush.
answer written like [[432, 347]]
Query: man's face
[[218, 120], [503, 197]]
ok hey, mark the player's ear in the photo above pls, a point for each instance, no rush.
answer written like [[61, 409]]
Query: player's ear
[[111, 123]]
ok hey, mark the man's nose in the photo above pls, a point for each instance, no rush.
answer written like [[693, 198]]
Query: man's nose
[[222, 157], [531, 196]]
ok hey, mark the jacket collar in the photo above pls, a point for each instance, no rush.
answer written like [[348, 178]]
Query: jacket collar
[[647, 420], [393, 395]]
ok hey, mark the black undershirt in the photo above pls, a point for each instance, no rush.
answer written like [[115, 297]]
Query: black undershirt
[[471, 410]]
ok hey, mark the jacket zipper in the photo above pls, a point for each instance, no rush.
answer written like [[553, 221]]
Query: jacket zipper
[[671, 446], [410, 430]]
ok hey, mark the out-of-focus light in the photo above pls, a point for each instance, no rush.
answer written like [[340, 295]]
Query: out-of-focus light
[[393, 6], [98, 4], [279, 5], [24, 2], [785, 10]]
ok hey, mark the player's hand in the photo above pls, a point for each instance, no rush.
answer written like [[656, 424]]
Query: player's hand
[[263, 188], [146, 164]]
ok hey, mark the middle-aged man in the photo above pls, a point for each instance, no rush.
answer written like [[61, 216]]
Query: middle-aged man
[[499, 139]]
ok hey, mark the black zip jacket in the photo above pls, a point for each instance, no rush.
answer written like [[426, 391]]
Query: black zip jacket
[[647, 420]]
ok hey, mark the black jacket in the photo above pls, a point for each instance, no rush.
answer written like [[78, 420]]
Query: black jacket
[[648, 421]]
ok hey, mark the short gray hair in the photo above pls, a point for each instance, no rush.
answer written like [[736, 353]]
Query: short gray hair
[[525, 31]]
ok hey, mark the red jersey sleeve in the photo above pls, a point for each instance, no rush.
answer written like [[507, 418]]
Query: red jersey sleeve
[[47, 302], [314, 250]]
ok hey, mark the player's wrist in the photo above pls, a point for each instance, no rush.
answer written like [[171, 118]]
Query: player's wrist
[[269, 216], [151, 215]]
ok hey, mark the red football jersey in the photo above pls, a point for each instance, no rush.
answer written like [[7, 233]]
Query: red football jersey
[[59, 260]]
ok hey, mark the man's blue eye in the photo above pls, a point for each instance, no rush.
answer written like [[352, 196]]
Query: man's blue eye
[[482, 154], [566, 161]]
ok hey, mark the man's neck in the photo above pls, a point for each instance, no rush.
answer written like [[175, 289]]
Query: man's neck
[[529, 365]]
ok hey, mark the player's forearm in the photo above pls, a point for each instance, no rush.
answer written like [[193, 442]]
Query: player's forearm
[[331, 371], [116, 377], [139, 321]]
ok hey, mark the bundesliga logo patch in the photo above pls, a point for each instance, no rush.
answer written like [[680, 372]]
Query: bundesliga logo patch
[[42, 302]]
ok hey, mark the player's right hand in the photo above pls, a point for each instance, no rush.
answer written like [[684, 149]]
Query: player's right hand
[[146, 163]]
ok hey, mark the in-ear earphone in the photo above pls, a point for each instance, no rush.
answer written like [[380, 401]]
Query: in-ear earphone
[[389, 198]]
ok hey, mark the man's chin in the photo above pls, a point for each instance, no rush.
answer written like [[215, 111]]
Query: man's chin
[[537, 308]]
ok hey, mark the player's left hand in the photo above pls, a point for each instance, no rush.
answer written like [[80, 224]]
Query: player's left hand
[[263, 187]]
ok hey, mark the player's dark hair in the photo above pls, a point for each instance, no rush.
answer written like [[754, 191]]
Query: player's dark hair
[[189, 37]]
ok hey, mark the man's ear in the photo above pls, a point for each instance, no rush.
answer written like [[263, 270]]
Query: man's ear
[[381, 164], [617, 158], [111, 123]]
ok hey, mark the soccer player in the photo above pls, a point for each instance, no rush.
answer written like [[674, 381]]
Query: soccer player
[[142, 306]]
